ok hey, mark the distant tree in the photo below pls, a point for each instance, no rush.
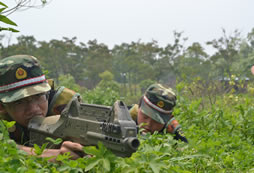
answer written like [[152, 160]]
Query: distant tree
[[166, 69], [106, 91], [228, 48], [144, 84], [98, 59], [107, 81], [68, 81], [246, 56], [106, 75], [62, 57], [196, 51], [191, 64], [25, 45]]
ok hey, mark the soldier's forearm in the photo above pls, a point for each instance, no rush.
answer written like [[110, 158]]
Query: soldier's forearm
[[67, 147], [46, 152]]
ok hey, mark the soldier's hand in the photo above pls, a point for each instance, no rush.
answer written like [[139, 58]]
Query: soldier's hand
[[75, 149]]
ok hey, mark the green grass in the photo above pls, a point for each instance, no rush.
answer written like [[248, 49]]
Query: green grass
[[221, 139]]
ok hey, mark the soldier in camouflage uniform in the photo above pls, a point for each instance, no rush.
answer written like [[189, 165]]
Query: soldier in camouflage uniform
[[25, 93], [155, 111]]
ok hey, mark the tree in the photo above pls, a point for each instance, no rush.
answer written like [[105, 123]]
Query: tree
[[5, 11], [97, 60], [25, 45], [228, 48], [133, 63], [166, 65], [246, 54], [192, 63], [62, 57]]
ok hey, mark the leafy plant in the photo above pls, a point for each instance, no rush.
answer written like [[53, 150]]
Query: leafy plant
[[220, 140], [6, 20]]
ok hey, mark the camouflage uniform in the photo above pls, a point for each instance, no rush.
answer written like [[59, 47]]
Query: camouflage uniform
[[20, 77], [158, 103]]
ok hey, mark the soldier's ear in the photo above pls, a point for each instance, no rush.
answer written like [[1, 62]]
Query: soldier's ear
[[2, 109]]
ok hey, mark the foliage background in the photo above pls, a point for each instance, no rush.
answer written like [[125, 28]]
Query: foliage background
[[220, 140], [214, 101]]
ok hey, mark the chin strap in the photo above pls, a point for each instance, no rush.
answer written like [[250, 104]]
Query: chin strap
[[167, 124]]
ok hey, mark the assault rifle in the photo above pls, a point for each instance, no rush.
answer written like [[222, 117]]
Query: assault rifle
[[88, 124]]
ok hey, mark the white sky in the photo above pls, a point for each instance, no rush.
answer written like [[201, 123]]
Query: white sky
[[117, 21]]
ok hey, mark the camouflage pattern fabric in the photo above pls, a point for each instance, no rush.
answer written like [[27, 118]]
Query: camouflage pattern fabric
[[158, 103], [134, 112], [171, 126], [60, 99], [21, 76]]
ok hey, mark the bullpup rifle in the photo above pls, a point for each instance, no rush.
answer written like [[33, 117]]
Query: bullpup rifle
[[88, 124]]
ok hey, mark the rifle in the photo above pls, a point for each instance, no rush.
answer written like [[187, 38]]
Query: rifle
[[88, 124]]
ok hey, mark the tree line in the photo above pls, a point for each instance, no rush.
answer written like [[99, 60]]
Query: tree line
[[137, 62]]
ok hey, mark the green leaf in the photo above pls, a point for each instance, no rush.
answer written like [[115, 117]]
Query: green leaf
[[64, 168], [2, 9], [92, 150], [73, 163], [156, 165], [92, 163], [6, 20], [8, 29], [102, 148], [13, 30], [44, 1], [37, 149], [106, 164], [54, 141], [3, 4], [62, 157], [9, 124], [43, 147]]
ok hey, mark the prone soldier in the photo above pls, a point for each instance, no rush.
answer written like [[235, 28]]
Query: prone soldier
[[25, 93], [154, 112]]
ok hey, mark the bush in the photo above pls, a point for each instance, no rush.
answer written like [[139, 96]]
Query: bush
[[220, 140], [68, 81], [102, 96]]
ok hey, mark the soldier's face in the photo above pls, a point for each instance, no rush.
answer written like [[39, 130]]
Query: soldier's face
[[150, 125], [23, 110]]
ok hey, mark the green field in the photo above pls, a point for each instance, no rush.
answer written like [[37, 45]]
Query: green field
[[221, 139]]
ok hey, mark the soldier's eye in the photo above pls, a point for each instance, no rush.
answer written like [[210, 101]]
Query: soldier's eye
[[39, 95], [19, 102]]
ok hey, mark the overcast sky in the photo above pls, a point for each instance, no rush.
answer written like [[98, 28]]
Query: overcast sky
[[118, 21]]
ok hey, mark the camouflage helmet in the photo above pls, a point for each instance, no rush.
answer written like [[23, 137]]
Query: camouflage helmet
[[158, 103], [21, 76]]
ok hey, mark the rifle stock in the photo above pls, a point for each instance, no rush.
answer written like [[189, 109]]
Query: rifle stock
[[87, 124]]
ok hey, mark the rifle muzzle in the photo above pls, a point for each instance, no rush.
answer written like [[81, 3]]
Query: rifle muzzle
[[133, 143]]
